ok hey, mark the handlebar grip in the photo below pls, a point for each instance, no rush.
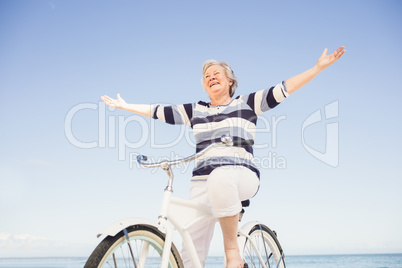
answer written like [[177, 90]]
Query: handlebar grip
[[141, 158], [243, 142]]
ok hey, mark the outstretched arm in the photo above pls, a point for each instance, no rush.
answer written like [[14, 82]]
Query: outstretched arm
[[141, 109], [296, 82]]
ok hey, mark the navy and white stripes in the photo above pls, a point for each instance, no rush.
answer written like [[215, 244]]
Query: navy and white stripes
[[209, 123]]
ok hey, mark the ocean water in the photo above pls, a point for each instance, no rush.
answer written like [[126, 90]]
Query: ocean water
[[317, 261]]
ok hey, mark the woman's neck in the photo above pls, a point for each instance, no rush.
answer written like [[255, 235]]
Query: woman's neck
[[226, 99]]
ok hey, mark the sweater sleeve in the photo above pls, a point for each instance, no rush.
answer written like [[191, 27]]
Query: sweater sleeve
[[174, 114], [266, 99]]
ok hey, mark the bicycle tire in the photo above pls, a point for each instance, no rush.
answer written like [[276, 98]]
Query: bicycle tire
[[114, 251], [269, 248]]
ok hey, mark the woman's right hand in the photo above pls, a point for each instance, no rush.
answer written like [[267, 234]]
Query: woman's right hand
[[119, 103]]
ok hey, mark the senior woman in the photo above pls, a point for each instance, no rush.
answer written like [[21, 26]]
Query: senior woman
[[224, 177]]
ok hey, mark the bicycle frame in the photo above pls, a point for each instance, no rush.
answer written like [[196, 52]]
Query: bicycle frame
[[182, 213]]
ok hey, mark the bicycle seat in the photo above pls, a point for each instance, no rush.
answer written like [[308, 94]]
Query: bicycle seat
[[245, 203]]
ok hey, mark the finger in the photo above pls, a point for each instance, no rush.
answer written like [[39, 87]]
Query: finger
[[324, 53], [107, 98], [340, 48], [338, 53], [104, 98], [109, 101], [341, 54]]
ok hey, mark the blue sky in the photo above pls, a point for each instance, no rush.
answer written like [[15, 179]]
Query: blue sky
[[58, 57]]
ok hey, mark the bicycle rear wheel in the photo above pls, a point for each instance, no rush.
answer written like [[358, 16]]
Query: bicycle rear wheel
[[263, 241], [143, 248]]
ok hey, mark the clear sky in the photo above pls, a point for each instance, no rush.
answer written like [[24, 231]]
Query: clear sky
[[329, 186]]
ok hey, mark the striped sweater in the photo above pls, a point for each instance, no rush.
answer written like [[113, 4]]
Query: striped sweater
[[209, 123]]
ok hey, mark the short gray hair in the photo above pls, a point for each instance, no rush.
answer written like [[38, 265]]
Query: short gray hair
[[228, 71]]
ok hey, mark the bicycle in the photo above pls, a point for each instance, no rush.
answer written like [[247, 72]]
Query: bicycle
[[142, 243]]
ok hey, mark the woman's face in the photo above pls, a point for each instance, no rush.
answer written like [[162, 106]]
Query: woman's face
[[215, 81]]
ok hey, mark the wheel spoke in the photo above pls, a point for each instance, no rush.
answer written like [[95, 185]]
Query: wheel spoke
[[132, 255], [114, 261]]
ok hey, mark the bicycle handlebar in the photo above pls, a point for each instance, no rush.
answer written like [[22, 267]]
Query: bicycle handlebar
[[226, 140]]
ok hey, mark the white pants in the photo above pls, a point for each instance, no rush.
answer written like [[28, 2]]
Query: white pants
[[223, 192]]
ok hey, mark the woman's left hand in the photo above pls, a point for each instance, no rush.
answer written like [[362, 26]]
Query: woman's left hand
[[326, 60]]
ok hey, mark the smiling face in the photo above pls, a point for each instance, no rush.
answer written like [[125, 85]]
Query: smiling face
[[216, 82]]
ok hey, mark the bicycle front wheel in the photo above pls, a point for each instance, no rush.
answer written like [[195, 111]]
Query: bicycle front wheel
[[140, 246], [262, 248]]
